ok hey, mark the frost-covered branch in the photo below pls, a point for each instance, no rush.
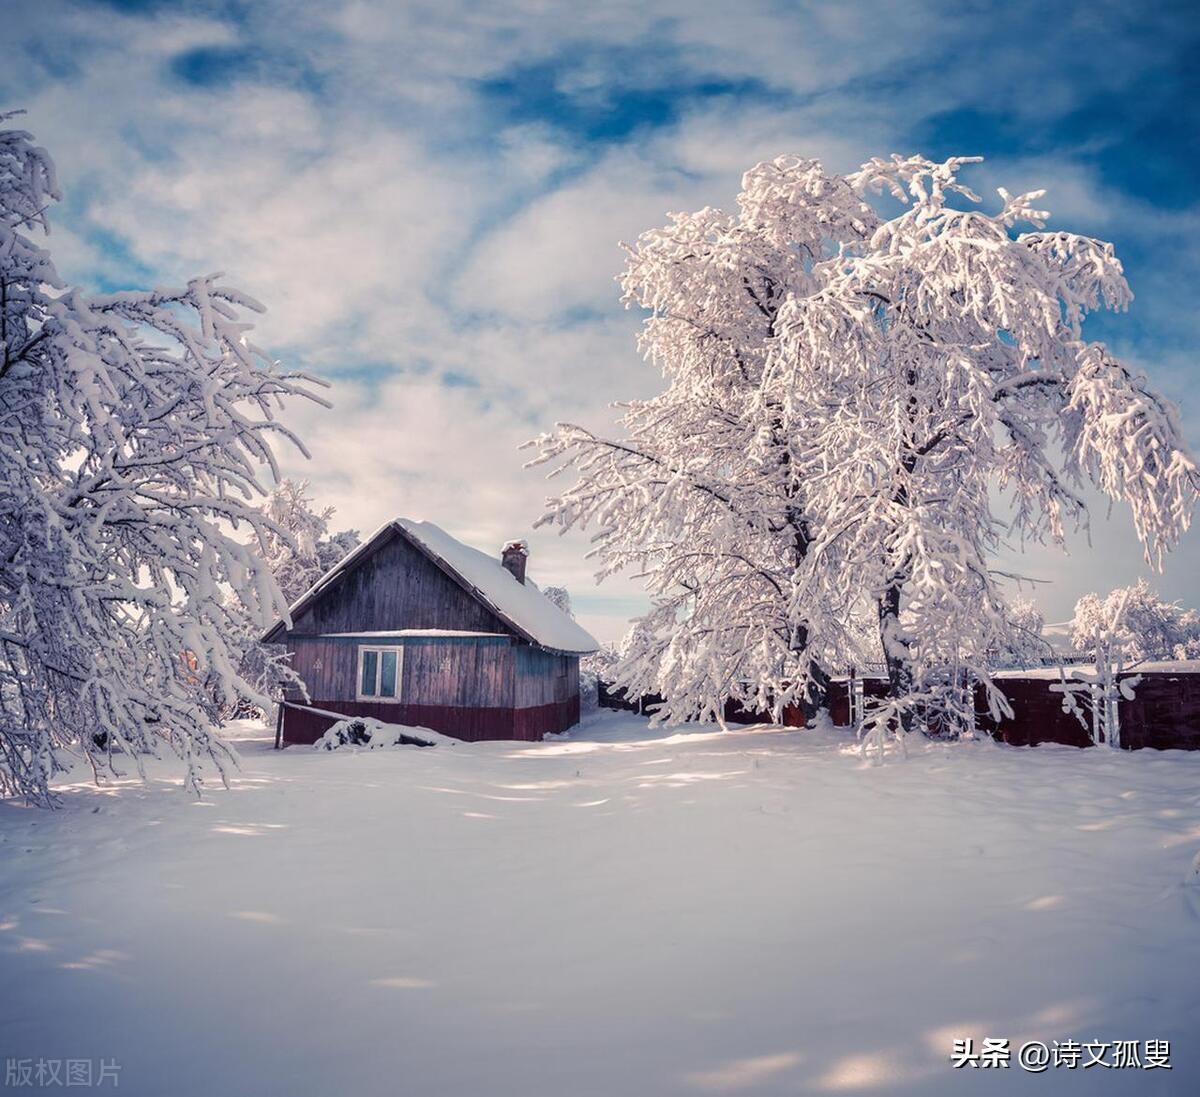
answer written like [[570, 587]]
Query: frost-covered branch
[[136, 429], [844, 393]]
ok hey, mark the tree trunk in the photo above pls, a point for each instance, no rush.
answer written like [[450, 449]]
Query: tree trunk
[[816, 694], [816, 698], [896, 653]]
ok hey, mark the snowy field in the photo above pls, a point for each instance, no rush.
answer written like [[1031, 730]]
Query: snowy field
[[624, 913]]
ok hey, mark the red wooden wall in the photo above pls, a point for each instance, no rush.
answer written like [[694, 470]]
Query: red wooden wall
[[1164, 714], [306, 724]]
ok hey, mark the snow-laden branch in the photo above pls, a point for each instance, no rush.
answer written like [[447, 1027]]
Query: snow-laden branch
[[844, 392], [136, 430]]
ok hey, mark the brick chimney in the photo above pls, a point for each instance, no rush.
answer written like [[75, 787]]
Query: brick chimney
[[513, 556]]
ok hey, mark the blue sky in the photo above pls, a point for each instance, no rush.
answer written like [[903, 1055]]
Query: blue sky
[[428, 196]]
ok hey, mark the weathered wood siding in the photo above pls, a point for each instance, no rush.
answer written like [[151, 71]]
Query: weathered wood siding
[[1164, 714], [396, 587], [484, 687], [302, 724], [1037, 717], [470, 687], [458, 672], [327, 666], [548, 719], [436, 671], [546, 694], [543, 678]]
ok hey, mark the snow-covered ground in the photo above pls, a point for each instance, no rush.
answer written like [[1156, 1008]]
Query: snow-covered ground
[[625, 913]]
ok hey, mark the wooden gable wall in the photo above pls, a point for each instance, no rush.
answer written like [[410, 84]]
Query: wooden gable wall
[[396, 587]]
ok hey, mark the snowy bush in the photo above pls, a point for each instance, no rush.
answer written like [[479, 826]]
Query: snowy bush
[[599, 666], [371, 734], [846, 391], [136, 429], [589, 690]]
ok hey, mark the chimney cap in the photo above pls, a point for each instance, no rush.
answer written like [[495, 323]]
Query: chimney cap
[[513, 557]]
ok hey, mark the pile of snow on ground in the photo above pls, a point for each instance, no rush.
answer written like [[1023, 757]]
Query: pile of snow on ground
[[371, 734]]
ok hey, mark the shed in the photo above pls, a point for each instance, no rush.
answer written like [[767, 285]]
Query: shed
[[414, 627]]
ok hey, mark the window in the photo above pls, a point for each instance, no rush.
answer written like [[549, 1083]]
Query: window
[[379, 672]]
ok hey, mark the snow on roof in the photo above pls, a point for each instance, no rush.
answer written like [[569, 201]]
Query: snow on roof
[[415, 632], [1166, 666], [1088, 671], [520, 605]]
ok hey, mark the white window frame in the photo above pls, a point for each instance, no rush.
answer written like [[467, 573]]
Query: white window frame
[[358, 677]]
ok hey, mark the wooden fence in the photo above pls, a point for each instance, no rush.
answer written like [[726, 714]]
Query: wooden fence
[[1164, 712]]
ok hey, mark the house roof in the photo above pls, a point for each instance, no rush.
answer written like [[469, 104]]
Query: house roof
[[416, 633], [521, 606]]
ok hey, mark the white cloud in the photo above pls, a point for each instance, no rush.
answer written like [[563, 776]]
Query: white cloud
[[394, 223], [562, 251], [419, 449]]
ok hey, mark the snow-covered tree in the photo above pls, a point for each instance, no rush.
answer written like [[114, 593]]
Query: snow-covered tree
[[594, 668], [1025, 646], [601, 662], [846, 390], [299, 547], [1188, 646], [1149, 627], [706, 494], [135, 432], [561, 597]]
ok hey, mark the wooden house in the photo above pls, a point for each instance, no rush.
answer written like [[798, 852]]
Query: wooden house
[[416, 628]]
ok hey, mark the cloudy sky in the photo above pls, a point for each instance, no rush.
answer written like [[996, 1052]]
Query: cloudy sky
[[429, 196]]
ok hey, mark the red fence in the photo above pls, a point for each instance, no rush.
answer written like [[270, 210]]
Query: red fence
[[1164, 713]]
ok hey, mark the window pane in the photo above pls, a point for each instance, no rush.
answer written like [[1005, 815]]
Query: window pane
[[387, 674], [370, 665]]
